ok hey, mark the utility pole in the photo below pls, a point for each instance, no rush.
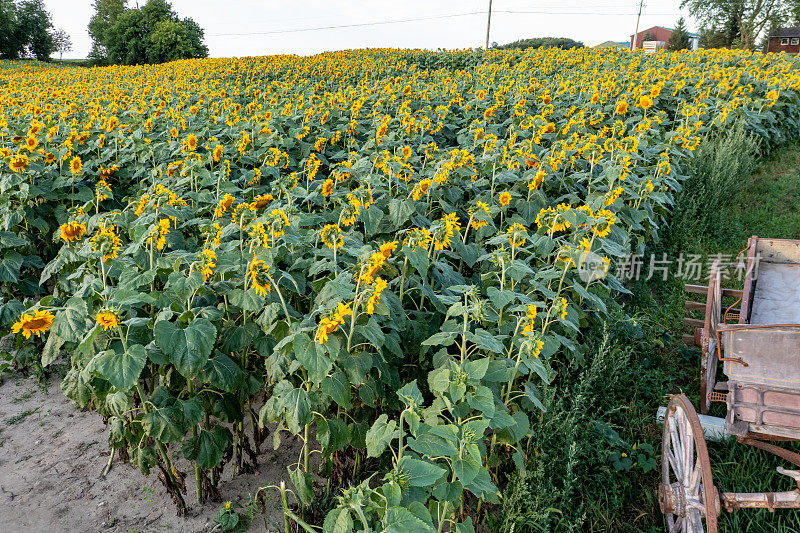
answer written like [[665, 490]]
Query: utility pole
[[636, 33], [488, 24]]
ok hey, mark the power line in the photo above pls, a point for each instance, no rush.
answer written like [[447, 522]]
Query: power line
[[354, 25], [435, 17]]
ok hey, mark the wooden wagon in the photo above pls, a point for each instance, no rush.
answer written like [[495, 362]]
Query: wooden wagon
[[757, 345]]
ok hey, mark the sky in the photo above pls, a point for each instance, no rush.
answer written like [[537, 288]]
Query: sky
[[236, 28]]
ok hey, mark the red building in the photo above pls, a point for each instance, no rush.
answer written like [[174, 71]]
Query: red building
[[660, 33], [785, 40]]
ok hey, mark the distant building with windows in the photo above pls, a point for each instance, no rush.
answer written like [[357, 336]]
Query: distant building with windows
[[784, 40], [659, 35]]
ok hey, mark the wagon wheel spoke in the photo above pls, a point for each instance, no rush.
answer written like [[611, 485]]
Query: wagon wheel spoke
[[687, 495]]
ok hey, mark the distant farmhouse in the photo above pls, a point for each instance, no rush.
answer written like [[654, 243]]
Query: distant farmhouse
[[614, 44], [785, 40], [658, 35]]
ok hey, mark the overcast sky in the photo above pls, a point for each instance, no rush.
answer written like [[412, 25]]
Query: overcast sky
[[259, 27]]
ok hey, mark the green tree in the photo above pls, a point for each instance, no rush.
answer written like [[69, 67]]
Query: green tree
[[10, 39], [679, 40], [564, 43], [105, 15], [34, 24], [152, 34], [737, 22]]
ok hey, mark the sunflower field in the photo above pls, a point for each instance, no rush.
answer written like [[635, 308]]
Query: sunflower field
[[381, 252]]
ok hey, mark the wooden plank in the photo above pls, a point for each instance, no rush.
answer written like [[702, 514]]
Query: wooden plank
[[695, 289], [693, 322], [688, 339], [694, 306], [702, 289], [752, 246]]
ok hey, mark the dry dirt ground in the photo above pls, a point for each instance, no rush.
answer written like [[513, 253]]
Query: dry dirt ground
[[51, 457]]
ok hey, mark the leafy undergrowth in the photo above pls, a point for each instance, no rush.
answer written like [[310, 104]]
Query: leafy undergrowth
[[600, 438]]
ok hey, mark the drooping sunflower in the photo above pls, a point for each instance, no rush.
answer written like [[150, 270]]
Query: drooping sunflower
[[258, 272], [107, 318], [327, 188], [516, 235], [72, 231], [36, 323], [19, 162], [331, 236]]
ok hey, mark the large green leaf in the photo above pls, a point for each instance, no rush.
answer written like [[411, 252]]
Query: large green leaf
[[122, 369], [223, 372], [10, 265], [208, 447], [188, 349], [420, 473], [70, 323], [400, 520], [311, 356], [380, 435], [298, 409], [51, 348]]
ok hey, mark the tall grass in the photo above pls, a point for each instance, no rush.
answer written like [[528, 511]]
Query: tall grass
[[718, 173]]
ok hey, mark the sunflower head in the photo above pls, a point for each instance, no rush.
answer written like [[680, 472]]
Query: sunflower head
[[331, 236], [75, 165], [107, 318], [258, 274], [33, 323], [72, 231]]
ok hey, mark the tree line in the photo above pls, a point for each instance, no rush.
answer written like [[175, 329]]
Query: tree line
[[152, 33]]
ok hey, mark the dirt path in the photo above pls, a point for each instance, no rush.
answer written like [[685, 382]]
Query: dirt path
[[51, 457]]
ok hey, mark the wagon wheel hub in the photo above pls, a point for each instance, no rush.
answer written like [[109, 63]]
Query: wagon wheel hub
[[672, 499]]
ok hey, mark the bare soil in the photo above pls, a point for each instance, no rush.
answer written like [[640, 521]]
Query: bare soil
[[51, 457]]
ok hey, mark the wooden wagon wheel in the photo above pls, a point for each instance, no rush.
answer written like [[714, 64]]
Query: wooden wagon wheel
[[708, 342], [686, 495]]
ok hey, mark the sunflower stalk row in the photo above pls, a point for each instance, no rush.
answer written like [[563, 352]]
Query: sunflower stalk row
[[384, 253]]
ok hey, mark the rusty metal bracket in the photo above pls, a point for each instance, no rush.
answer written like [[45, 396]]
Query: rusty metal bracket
[[783, 453], [733, 360]]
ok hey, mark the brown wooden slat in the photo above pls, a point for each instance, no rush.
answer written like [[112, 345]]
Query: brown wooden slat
[[695, 289], [694, 306], [731, 293], [693, 322], [702, 289], [688, 339]]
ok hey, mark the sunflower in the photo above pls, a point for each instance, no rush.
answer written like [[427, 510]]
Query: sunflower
[[330, 324], [530, 318], [375, 297], [31, 143], [516, 235], [208, 259], [37, 323], [645, 102], [327, 187], [107, 318], [622, 107], [504, 198], [443, 235], [258, 274], [72, 231], [331, 236], [260, 202], [191, 142], [107, 242], [75, 165], [19, 162], [217, 153], [423, 187]]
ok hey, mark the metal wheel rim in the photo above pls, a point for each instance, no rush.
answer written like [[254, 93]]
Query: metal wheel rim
[[684, 444]]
